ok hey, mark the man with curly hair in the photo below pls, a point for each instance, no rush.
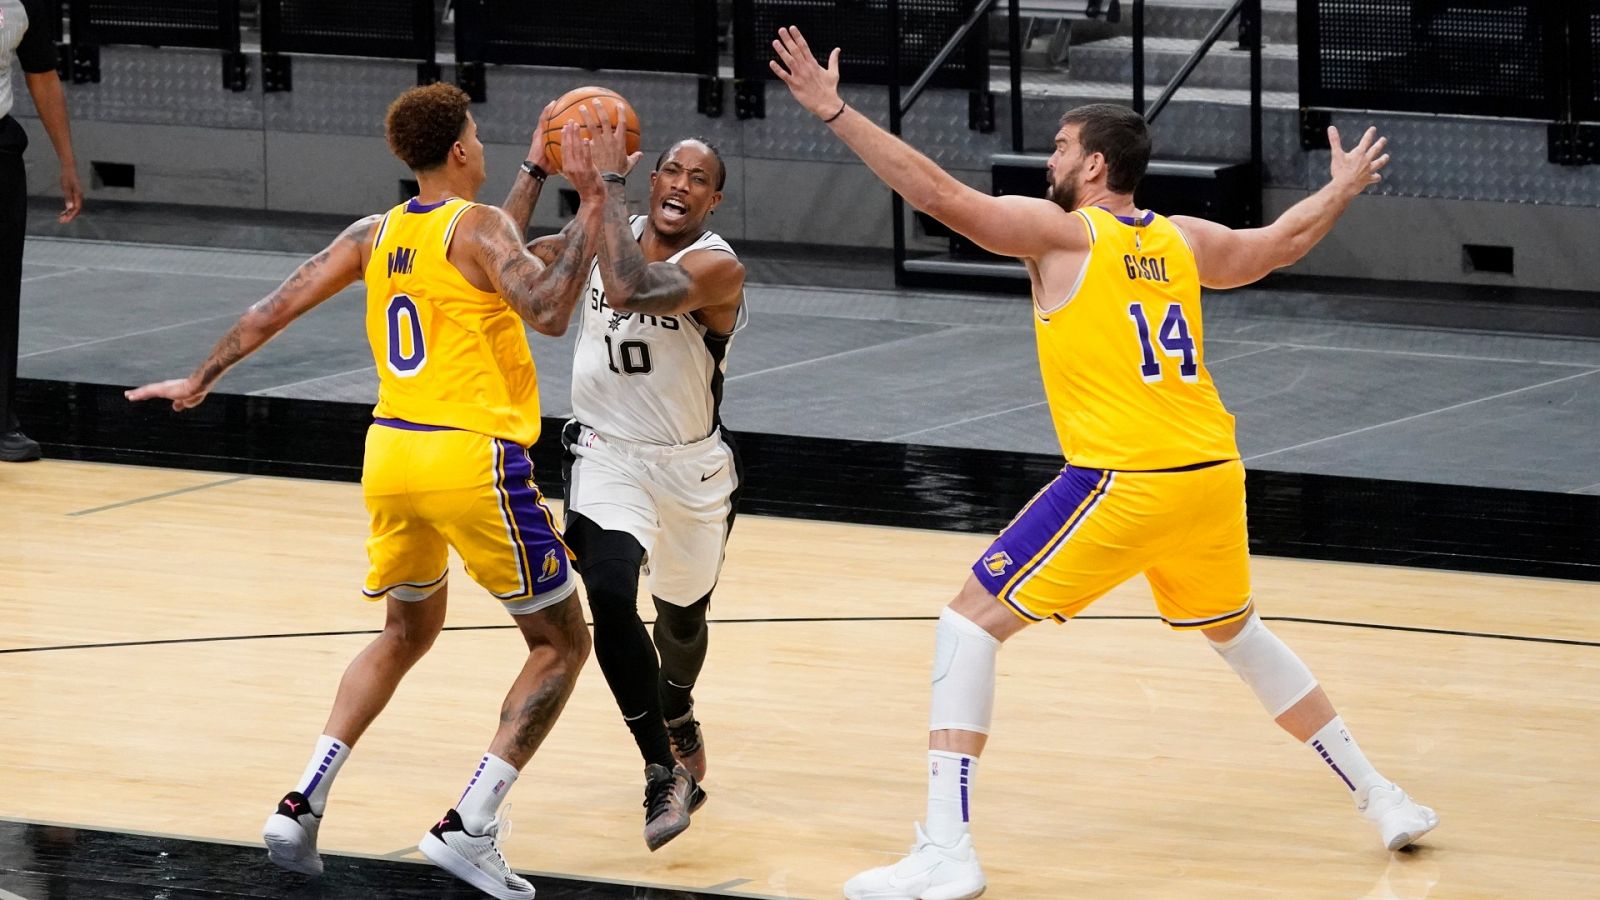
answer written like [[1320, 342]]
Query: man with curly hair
[[449, 288]]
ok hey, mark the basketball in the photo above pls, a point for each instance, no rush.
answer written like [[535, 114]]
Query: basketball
[[566, 108]]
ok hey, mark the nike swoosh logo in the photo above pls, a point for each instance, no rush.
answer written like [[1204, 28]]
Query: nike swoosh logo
[[712, 475]]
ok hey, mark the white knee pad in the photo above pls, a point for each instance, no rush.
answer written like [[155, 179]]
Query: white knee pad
[[405, 593], [963, 675], [1267, 664]]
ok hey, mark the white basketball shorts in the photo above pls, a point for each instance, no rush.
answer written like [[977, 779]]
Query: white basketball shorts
[[676, 501]]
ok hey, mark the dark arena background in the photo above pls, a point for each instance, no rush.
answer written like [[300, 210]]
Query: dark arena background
[[1417, 400]]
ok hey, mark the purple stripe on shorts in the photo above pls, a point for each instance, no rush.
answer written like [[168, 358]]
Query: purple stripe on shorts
[[540, 552], [403, 425], [1034, 528]]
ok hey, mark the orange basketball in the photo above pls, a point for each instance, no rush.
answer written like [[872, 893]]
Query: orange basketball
[[567, 108]]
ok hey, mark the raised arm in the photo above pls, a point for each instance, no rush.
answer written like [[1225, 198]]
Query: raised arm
[[525, 188], [338, 266], [701, 280], [1026, 227], [1230, 258], [543, 295]]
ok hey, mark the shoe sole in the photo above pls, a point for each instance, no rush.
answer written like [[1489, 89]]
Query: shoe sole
[[1407, 838], [445, 857], [284, 850], [974, 896]]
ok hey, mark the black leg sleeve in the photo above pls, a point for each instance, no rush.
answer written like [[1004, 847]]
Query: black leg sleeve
[[608, 563]]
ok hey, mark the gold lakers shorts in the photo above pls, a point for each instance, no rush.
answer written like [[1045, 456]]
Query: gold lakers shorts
[[1089, 530], [429, 488]]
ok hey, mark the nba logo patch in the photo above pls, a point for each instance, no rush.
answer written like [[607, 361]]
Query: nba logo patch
[[997, 563], [551, 567]]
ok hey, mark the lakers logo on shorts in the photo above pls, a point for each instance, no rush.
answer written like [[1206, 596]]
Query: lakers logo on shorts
[[997, 563], [551, 567]]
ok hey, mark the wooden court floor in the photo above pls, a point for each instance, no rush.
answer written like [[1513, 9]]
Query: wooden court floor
[[172, 640]]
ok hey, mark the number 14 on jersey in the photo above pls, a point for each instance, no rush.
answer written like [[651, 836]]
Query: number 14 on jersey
[[1173, 335]]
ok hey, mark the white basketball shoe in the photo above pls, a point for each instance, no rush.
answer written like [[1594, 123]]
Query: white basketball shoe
[[930, 872], [291, 835], [474, 858], [1400, 819]]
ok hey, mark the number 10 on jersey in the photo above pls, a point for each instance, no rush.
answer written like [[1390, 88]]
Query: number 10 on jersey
[[634, 355], [1174, 339]]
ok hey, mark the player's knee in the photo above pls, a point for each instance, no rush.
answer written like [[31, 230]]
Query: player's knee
[[1264, 662], [613, 589], [963, 675], [681, 625], [578, 644]]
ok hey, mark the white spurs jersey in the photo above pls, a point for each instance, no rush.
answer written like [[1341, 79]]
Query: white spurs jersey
[[648, 379]]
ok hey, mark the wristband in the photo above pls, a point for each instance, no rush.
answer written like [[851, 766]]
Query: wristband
[[534, 170], [842, 107], [613, 177]]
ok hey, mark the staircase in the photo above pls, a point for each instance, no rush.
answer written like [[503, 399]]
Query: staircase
[[1201, 139]]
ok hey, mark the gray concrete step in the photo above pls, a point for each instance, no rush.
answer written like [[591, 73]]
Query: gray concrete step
[[1193, 18], [1224, 66]]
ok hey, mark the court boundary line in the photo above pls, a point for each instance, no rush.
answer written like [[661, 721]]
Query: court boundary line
[[1423, 415], [164, 494], [775, 620]]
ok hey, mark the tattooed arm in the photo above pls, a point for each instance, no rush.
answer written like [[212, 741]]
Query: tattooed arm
[[525, 188], [549, 247], [520, 202], [543, 295], [707, 280], [338, 266]]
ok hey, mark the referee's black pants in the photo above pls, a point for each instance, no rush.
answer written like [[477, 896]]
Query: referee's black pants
[[13, 225]]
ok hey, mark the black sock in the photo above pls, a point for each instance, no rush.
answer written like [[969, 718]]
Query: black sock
[[681, 638]]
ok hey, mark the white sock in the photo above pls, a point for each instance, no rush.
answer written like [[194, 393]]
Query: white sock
[[484, 792], [950, 777], [1339, 750], [323, 766]]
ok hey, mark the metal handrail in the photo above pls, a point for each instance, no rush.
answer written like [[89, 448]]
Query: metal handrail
[[913, 92], [1193, 60]]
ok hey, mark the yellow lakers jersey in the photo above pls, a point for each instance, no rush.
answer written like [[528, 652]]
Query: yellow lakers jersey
[[1122, 357], [447, 353]]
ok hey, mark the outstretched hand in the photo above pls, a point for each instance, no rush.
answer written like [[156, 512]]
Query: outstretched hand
[[608, 137], [816, 88], [185, 393], [1356, 169]]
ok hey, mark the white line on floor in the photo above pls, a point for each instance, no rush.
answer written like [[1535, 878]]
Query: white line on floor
[[305, 381], [1423, 415], [969, 419], [118, 337], [817, 359], [32, 278]]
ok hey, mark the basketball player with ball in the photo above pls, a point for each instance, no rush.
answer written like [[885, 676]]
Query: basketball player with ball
[[450, 290], [652, 478]]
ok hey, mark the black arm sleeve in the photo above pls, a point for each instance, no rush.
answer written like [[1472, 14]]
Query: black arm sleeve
[[36, 53]]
